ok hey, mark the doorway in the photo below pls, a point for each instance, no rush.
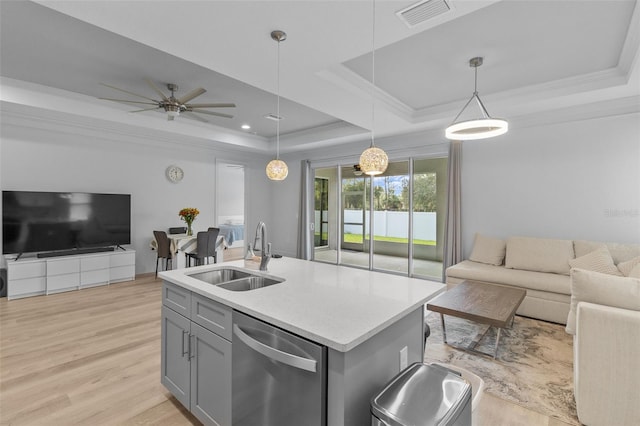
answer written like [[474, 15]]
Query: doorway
[[230, 207]]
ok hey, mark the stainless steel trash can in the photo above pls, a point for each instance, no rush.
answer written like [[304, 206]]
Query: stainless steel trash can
[[423, 395]]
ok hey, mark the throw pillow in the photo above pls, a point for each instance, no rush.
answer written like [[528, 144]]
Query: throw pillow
[[539, 254], [598, 261], [619, 252], [635, 272], [628, 266], [488, 250], [603, 289]]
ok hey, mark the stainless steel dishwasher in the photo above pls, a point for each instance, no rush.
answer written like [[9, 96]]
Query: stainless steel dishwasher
[[278, 377]]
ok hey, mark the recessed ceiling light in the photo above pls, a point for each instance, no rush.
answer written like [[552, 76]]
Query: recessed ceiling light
[[246, 126]]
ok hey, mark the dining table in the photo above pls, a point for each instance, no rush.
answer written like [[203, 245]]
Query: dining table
[[183, 243]]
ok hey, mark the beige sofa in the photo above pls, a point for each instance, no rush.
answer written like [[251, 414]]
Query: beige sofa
[[605, 322], [539, 265]]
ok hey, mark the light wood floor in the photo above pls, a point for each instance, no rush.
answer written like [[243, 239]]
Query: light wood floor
[[92, 357]]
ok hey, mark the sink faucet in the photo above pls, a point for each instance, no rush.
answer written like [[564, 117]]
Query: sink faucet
[[265, 248]]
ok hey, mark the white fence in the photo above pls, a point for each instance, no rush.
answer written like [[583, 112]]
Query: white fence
[[390, 224]]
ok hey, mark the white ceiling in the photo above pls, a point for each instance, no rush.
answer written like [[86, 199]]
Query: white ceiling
[[540, 56]]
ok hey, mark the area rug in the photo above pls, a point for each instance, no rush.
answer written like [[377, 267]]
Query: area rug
[[534, 367]]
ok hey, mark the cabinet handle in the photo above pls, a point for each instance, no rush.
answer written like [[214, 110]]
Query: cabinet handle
[[184, 352], [192, 346]]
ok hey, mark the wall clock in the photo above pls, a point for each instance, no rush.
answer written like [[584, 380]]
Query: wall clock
[[174, 174]]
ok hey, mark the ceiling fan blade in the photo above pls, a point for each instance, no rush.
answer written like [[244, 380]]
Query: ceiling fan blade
[[217, 114], [192, 94], [130, 102], [211, 105], [146, 109], [155, 88], [194, 116], [126, 91]]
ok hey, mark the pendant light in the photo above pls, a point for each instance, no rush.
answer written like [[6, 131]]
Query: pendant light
[[479, 128], [277, 169], [373, 161]]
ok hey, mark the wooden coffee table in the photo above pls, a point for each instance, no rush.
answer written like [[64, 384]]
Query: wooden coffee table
[[490, 304]]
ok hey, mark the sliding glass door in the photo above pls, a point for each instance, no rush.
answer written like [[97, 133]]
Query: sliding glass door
[[354, 187], [429, 212], [325, 215], [404, 210], [391, 219]]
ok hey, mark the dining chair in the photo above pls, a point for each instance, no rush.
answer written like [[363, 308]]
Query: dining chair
[[200, 253], [178, 230], [213, 240], [163, 250]]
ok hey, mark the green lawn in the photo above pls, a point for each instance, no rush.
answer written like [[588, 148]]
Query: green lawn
[[357, 239]]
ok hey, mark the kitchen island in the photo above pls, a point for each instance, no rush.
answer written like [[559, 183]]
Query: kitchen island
[[370, 323]]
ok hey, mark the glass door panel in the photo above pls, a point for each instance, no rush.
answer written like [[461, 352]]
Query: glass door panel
[[429, 209], [391, 218], [325, 245], [355, 217], [321, 209]]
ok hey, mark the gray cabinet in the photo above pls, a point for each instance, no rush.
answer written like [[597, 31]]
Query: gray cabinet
[[175, 363], [196, 356], [210, 377]]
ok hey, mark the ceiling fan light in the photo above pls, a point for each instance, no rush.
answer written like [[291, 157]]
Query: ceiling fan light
[[373, 161], [172, 110], [477, 129], [277, 170]]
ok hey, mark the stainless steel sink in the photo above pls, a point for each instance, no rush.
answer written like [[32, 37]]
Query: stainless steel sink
[[219, 276], [249, 283], [235, 280]]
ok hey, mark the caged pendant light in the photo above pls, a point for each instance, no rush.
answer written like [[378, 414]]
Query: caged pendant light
[[478, 128], [373, 161], [277, 169]]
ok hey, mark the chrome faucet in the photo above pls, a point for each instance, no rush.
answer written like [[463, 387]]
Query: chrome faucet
[[265, 248]]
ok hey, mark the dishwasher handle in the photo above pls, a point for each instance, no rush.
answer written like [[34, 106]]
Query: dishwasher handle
[[275, 354]]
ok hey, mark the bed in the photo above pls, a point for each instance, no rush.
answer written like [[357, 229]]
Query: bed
[[232, 229]]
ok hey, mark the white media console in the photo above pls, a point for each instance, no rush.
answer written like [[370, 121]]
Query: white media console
[[36, 276]]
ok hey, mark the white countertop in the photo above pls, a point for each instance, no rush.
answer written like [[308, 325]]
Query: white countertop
[[337, 306]]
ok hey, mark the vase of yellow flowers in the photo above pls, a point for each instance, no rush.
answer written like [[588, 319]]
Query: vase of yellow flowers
[[189, 214]]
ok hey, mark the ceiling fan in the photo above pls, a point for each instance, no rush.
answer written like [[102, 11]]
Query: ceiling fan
[[174, 106]]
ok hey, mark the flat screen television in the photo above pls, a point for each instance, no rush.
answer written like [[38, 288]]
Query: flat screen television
[[50, 221]]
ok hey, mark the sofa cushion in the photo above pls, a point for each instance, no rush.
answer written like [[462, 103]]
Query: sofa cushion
[[539, 254], [603, 289], [488, 250], [598, 261], [619, 252], [628, 266], [469, 270]]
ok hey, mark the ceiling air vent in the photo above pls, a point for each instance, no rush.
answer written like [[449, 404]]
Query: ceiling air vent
[[422, 11], [272, 116]]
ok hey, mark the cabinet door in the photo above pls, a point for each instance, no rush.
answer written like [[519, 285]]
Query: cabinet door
[[210, 377], [175, 355]]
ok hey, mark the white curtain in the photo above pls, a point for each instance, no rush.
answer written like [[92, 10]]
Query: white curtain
[[305, 236], [452, 229]]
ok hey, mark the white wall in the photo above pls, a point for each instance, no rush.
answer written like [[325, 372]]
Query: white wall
[[561, 181], [54, 160]]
